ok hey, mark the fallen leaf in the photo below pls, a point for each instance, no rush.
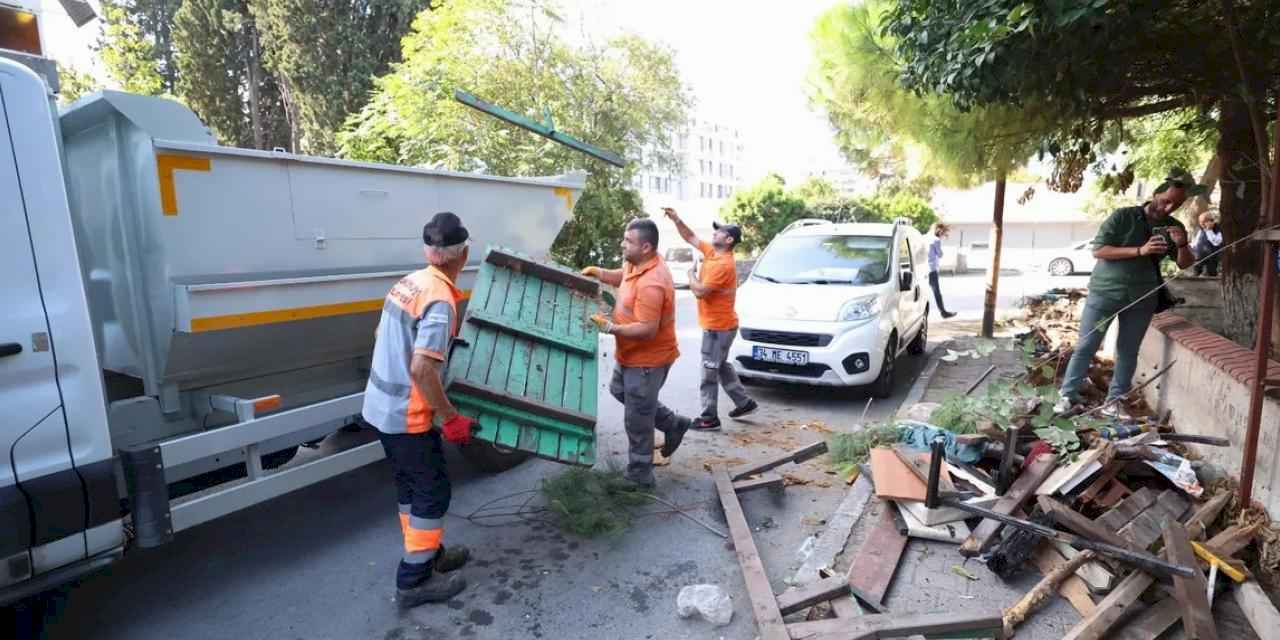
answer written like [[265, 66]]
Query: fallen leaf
[[810, 521], [963, 572]]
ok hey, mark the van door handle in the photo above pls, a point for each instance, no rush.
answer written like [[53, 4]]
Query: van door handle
[[10, 349]]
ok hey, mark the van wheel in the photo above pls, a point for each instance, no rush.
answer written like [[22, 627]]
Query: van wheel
[[1061, 267], [921, 341], [883, 386]]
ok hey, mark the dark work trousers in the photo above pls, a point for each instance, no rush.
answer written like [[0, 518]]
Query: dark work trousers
[[717, 372], [937, 292], [422, 492], [637, 389]]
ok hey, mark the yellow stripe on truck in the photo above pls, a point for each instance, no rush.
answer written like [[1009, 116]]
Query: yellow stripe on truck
[[255, 318], [166, 164]]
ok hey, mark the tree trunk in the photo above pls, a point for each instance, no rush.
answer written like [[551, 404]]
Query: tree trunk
[[1240, 203], [993, 273], [255, 83], [1209, 179]]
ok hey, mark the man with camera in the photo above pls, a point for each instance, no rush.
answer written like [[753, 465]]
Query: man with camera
[[1130, 246]]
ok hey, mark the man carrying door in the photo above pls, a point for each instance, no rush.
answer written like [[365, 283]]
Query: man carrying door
[[716, 288], [644, 325]]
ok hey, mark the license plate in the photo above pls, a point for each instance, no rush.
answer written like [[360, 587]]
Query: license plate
[[781, 356]]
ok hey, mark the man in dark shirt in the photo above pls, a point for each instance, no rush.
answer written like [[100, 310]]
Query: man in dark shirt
[[1130, 246]]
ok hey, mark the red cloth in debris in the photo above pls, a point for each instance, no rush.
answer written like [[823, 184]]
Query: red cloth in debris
[[1040, 447]]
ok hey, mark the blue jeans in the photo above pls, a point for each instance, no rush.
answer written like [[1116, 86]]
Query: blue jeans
[[1133, 326]]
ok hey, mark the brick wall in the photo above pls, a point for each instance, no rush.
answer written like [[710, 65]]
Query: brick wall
[[1208, 391]]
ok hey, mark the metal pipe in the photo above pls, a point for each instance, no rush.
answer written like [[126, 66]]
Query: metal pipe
[[1262, 338]]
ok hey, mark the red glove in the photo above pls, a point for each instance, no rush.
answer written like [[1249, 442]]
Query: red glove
[[458, 429]]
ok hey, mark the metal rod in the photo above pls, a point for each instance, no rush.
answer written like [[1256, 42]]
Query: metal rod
[[1262, 341], [1132, 391], [1144, 561], [545, 130], [937, 451], [1006, 461], [980, 379]]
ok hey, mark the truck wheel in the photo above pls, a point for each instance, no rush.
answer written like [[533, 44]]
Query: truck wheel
[[491, 458], [883, 386]]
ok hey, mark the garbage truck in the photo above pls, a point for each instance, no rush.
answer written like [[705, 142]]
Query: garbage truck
[[180, 316]]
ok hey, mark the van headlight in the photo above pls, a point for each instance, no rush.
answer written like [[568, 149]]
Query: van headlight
[[863, 308]]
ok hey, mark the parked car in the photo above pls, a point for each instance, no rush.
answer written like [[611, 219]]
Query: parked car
[[1077, 258], [679, 261], [834, 305]]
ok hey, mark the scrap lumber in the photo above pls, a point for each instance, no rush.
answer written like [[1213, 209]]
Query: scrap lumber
[[941, 515], [801, 598], [918, 463], [1147, 526], [872, 568], [1232, 567], [836, 536], [797, 456], [894, 480], [1204, 516], [1152, 622], [1128, 509], [912, 527], [1022, 490], [1098, 578], [1065, 478], [890, 625], [1191, 591], [768, 617], [1234, 539], [1071, 519], [1013, 616], [762, 481], [1100, 484], [1111, 608], [1257, 607], [1073, 588]]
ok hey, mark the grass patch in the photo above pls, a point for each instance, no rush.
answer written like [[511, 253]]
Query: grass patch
[[592, 503], [848, 450]]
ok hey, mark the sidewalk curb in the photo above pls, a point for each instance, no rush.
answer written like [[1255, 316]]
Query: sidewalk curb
[[922, 383]]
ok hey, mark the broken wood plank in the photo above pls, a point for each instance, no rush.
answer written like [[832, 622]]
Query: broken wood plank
[[797, 456], [1073, 589], [1015, 615], [833, 539], [918, 463], [1233, 540], [763, 603], [1096, 576], [1113, 495], [1100, 483], [1191, 592], [981, 624], [893, 478], [804, 597], [1065, 478], [1257, 607], [1146, 528], [1073, 521], [1206, 514], [762, 481], [1111, 608], [1022, 490], [872, 568], [1152, 622], [1128, 509]]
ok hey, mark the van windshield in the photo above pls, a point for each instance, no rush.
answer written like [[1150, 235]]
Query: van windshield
[[819, 259], [679, 254]]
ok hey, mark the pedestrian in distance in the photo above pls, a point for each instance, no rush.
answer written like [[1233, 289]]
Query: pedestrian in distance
[[1130, 246], [643, 324], [716, 288], [937, 233], [1207, 242], [405, 400]]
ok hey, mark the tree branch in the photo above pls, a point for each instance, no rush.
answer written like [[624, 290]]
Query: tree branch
[[1255, 118]]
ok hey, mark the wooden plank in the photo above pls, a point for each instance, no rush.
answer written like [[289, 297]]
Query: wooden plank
[[893, 625], [1191, 592], [1111, 608], [1101, 483], [1073, 589], [762, 481], [1257, 607], [1096, 576], [1073, 521], [1022, 490], [1128, 509], [814, 593], [554, 392], [769, 622], [1146, 528], [797, 456], [521, 403], [918, 463], [1152, 622], [1206, 513], [894, 479], [1233, 540], [1063, 476], [563, 277], [834, 538], [486, 320], [872, 568]]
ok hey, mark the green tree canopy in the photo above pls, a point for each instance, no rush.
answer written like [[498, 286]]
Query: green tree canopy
[[763, 210], [74, 83], [622, 94]]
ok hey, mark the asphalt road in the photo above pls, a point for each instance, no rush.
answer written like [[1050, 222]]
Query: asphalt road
[[319, 563]]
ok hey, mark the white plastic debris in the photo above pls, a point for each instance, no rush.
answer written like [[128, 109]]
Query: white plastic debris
[[707, 600]]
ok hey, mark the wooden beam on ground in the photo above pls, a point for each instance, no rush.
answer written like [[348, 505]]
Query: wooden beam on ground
[[769, 622], [1233, 540], [893, 625], [1257, 607], [1096, 575], [1191, 592], [1128, 509], [797, 456], [1111, 608], [762, 481], [814, 593], [872, 569], [833, 540], [1023, 489], [1073, 521], [1073, 589], [1146, 528], [1152, 622]]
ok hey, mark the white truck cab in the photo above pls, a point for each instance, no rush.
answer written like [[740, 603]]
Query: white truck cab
[[834, 305]]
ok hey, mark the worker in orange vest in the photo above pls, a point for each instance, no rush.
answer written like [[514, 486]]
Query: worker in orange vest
[[644, 325], [405, 398]]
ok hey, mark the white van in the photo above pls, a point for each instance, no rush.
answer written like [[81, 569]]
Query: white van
[[834, 305]]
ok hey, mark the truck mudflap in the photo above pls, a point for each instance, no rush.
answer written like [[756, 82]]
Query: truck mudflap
[[525, 366], [148, 495]]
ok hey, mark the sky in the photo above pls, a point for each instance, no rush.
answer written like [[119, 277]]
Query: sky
[[745, 61]]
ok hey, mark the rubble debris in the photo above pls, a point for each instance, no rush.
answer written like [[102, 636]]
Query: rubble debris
[[1197, 618], [1016, 546], [1015, 615], [706, 600], [1022, 490], [1258, 608], [954, 531]]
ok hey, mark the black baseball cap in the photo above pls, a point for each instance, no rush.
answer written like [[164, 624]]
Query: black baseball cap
[[444, 230], [733, 230]]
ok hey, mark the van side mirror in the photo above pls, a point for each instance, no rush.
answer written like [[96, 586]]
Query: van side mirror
[[906, 280]]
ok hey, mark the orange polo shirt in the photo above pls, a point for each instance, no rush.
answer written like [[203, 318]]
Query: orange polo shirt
[[647, 294], [715, 310]]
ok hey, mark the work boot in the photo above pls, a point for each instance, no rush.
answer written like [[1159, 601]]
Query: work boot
[[673, 439], [706, 423], [437, 588], [947, 315], [738, 412], [644, 483], [451, 558]]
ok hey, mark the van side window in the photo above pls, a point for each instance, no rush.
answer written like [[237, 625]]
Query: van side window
[[904, 255]]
